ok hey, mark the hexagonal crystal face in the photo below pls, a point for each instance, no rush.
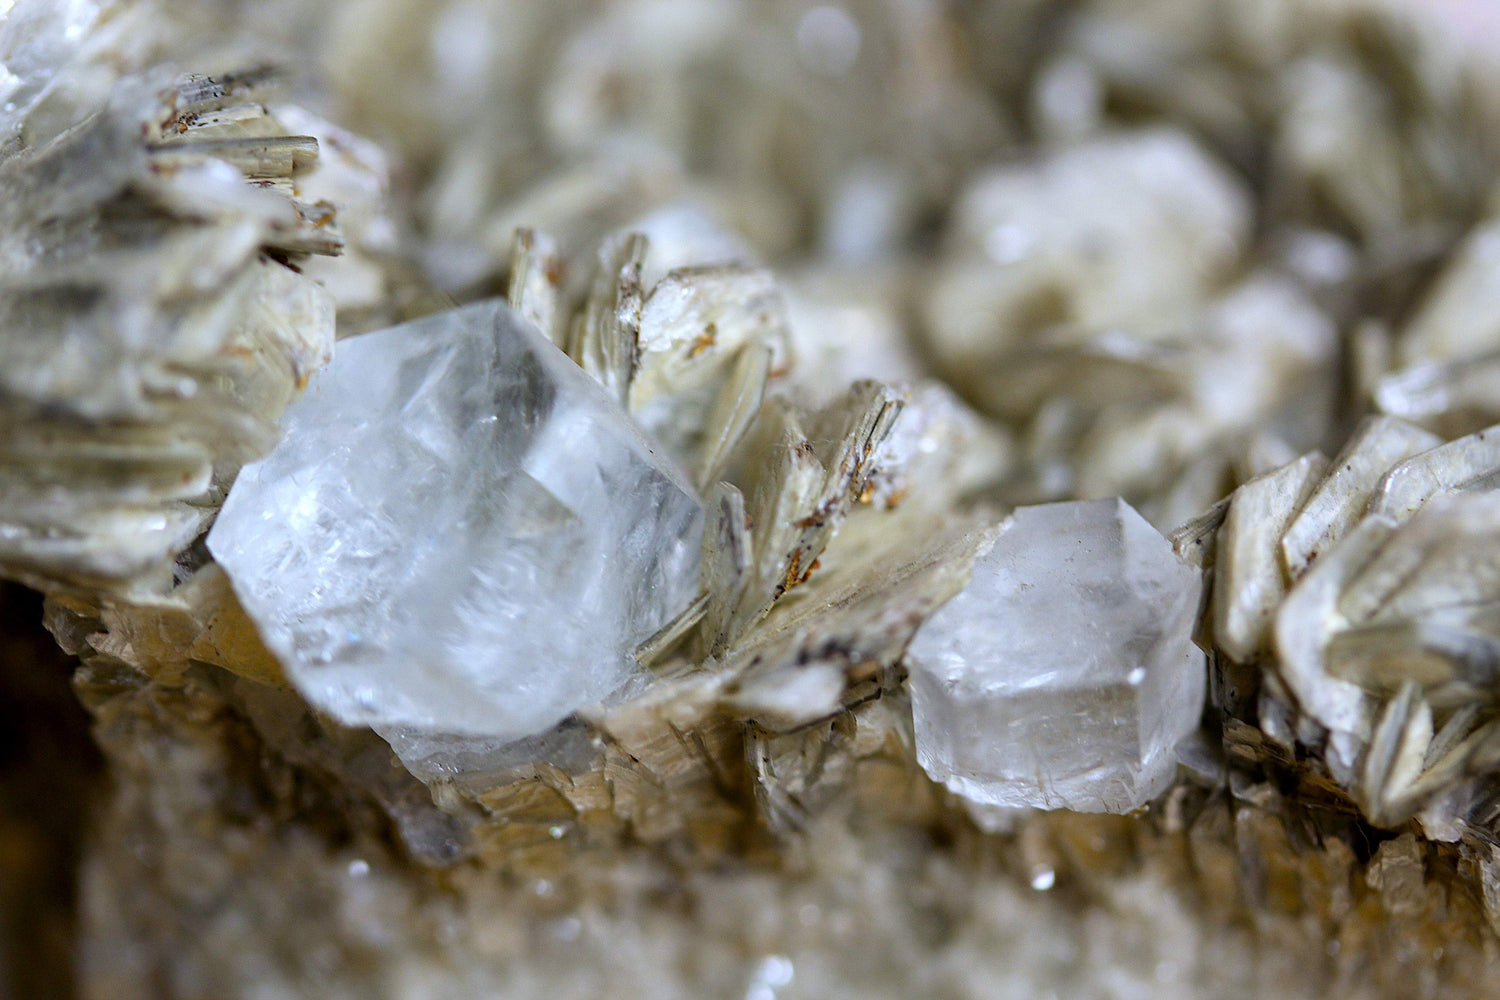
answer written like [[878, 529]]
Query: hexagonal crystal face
[[1064, 674], [460, 532]]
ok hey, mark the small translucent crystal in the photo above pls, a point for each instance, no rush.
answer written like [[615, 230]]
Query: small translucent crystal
[[1064, 674], [460, 532]]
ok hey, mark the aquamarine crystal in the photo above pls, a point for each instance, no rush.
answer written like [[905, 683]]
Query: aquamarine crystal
[[460, 532], [1064, 674]]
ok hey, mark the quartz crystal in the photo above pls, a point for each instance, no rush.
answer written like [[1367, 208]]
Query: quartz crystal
[[460, 532], [1064, 674]]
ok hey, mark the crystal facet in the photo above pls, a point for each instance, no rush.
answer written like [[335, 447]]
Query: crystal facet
[[460, 532], [1064, 674]]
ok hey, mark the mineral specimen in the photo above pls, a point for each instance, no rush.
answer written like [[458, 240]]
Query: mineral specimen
[[872, 273], [460, 532], [1064, 674]]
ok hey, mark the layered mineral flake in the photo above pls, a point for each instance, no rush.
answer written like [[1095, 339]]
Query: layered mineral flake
[[460, 532], [1064, 674]]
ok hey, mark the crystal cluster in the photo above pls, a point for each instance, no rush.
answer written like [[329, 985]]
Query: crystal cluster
[[459, 533], [1064, 674], [868, 274]]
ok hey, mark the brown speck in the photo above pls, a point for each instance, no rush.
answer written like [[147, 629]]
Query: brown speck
[[704, 340], [553, 270], [795, 575]]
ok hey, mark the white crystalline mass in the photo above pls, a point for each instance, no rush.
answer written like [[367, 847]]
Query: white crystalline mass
[[460, 532], [1064, 674]]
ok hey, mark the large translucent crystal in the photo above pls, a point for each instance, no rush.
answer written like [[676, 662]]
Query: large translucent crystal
[[1064, 674], [459, 533]]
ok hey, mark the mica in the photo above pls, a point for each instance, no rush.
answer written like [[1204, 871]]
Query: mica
[[1249, 581], [1303, 625], [1457, 318], [1043, 245], [1448, 468], [152, 339], [1342, 496]]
